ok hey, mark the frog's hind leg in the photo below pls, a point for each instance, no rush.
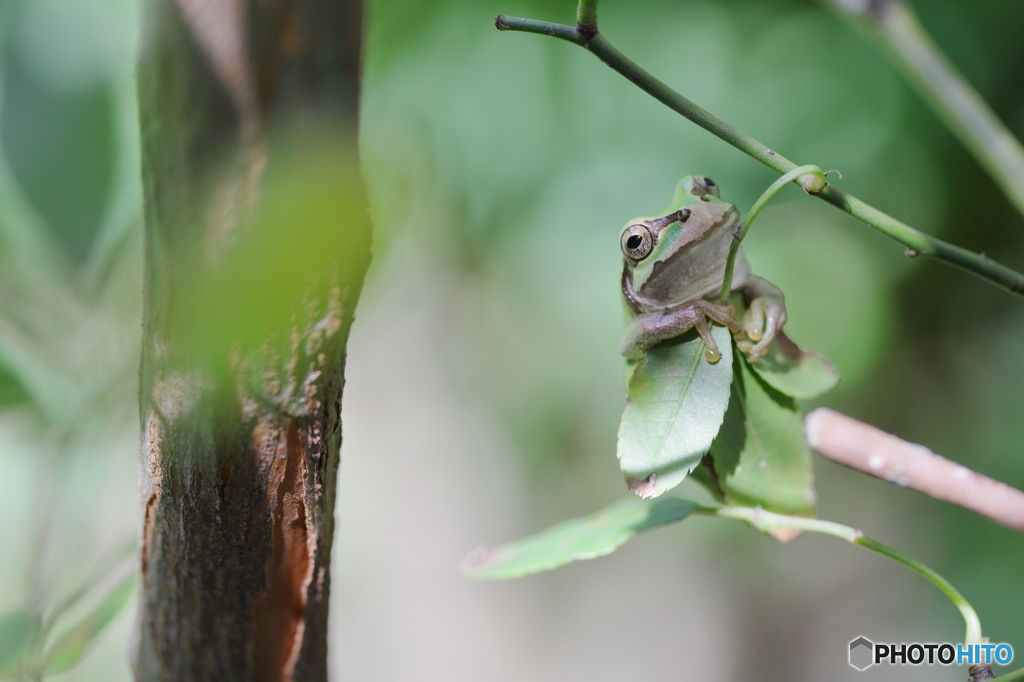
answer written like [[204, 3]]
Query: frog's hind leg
[[648, 329]]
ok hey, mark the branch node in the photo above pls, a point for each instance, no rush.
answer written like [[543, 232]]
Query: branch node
[[813, 183], [980, 671], [587, 29]]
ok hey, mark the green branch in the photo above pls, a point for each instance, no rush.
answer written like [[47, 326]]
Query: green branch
[[916, 242], [768, 522], [944, 88]]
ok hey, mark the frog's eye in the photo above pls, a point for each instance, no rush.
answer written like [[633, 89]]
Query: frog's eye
[[637, 242]]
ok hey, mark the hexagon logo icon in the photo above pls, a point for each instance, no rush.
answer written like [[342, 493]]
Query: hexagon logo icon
[[862, 653]]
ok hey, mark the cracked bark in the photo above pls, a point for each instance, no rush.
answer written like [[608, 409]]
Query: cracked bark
[[241, 437]]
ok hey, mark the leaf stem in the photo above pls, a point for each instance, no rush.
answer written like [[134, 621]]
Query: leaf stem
[[773, 189], [917, 242], [586, 17], [766, 521]]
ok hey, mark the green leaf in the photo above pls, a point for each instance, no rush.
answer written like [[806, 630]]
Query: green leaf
[[584, 538], [675, 402], [15, 638], [799, 373], [71, 646], [760, 455]]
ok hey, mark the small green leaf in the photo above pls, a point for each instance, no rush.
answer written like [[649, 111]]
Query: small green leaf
[[15, 637], [73, 644], [585, 538], [760, 455], [795, 372], [674, 407]]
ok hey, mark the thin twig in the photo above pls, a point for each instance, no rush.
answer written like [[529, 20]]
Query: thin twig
[[944, 88], [866, 448], [917, 242], [769, 522]]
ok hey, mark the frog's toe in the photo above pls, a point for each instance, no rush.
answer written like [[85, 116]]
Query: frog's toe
[[754, 319], [754, 351], [711, 352], [762, 319]]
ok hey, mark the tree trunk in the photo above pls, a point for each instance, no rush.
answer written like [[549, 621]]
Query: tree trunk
[[257, 240]]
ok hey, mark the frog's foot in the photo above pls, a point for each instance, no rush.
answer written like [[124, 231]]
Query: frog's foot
[[762, 321], [723, 314]]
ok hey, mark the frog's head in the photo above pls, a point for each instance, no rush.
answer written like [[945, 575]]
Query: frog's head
[[666, 256]]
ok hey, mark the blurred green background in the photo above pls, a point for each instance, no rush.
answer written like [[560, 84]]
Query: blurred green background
[[484, 387]]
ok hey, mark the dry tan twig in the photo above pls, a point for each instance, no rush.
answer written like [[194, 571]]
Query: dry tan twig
[[873, 451]]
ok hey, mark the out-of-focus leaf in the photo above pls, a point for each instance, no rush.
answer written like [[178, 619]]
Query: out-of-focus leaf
[[760, 454], [73, 644], [309, 231], [795, 372], [15, 636], [101, 571], [584, 538], [675, 402], [11, 390]]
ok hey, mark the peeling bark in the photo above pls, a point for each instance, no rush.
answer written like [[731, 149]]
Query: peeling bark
[[241, 439]]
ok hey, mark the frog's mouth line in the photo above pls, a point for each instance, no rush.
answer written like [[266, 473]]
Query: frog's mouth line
[[680, 216]]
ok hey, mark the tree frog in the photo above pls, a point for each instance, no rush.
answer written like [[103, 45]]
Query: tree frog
[[674, 267]]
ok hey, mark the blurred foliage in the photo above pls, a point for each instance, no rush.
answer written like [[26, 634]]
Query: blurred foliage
[[70, 304], [291, 248], [500, 168]]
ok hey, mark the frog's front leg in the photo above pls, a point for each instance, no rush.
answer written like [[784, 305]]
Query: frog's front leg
[[765, 315], [648, 329]]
